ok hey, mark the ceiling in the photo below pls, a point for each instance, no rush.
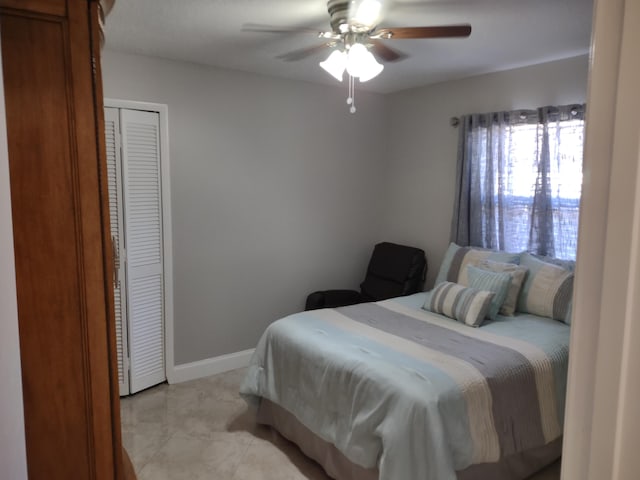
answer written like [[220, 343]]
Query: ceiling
[[506, 34]]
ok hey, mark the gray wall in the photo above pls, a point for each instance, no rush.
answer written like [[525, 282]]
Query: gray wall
[[422, 145], [276, 192], [13, 460]]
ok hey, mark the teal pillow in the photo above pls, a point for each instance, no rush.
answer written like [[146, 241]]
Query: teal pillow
[[517, 272], [465, 304], [453, 266], [496, 282]]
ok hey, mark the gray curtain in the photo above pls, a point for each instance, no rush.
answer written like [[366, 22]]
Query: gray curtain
[[518, 180]]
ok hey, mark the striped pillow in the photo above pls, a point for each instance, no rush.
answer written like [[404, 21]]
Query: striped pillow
[[567, 265], [464, 304], [548, 289], [518, 274], [496, 282], [454, 265]]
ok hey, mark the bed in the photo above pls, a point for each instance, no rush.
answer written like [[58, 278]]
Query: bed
[[391, 391]]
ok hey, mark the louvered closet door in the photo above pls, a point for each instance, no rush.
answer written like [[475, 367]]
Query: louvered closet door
[[114, 178], [143, 226]]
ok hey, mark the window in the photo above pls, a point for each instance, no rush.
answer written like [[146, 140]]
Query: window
[[519, 181]]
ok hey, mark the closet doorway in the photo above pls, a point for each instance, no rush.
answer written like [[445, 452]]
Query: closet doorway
[[140, 211]]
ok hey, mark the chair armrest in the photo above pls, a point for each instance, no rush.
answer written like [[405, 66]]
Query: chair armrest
[[332, 299]]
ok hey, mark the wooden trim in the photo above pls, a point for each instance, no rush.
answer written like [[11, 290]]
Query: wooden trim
[[22, 66], [47, 7], [120, 462], [81, 71]]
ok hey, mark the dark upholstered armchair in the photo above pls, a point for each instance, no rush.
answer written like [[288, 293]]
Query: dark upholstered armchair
[[394, 270]]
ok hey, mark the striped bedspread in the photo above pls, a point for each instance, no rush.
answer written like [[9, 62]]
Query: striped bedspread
[[414, 393]]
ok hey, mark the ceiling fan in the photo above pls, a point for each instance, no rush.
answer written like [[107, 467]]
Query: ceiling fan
[[354, 35]]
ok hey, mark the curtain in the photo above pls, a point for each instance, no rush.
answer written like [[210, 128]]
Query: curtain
[[518, 180]]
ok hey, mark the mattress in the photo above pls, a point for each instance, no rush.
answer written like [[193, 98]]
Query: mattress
[[411, 394]]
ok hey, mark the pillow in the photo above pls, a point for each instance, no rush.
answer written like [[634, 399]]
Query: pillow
[[453, 267], [498, 283], [464, 304], [548, 289], [518, 274], [567, 318], [567, 265]]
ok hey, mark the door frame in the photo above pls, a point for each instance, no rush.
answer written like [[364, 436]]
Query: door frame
[[163, 111], [601, 426]]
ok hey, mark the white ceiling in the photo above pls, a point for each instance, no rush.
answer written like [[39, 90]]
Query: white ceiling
[[506, 34]]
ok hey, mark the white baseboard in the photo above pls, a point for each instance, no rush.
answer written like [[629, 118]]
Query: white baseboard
[[209, 366]]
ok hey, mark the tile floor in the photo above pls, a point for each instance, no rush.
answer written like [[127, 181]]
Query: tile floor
[[203, 430]]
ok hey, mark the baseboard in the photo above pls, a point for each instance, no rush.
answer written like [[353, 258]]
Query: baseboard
[[209, 366]]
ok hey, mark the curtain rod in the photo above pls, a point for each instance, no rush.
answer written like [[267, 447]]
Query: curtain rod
[[455, 121]]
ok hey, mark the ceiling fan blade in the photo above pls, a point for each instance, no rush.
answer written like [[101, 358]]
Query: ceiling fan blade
[[385, 53], [302, 53], [262, 28], [442, 31]]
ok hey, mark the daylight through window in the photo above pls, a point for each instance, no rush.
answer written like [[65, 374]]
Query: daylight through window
[[522, 179]]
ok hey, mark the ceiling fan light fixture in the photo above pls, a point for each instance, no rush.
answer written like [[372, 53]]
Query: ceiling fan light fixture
[[335, 64], [361, 63], [357, 59], [373, 70]]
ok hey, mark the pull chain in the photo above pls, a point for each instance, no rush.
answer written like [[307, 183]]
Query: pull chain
[[351, 99]]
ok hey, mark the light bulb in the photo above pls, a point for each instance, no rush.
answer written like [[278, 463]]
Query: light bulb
[[362, 64], [357, 59], [335, 64], [367, 13], [373, 70]]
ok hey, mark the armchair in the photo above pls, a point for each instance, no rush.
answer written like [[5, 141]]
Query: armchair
[[394, 270]]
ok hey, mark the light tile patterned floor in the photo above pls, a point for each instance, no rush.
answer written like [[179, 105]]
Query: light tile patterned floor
[[203, 430]]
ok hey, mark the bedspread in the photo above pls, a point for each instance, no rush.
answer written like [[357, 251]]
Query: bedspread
[[414, 393]]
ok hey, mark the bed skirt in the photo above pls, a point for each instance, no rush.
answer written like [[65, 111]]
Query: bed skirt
[[515, 467]]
